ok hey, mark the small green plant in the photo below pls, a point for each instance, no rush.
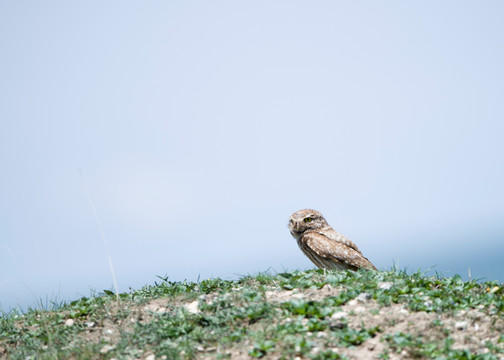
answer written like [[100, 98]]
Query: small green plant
[[261, 348]]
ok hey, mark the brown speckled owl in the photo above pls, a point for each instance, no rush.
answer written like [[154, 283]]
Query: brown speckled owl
[[324, 246]]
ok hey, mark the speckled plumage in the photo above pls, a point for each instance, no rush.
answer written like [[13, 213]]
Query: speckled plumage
[[324, 246]]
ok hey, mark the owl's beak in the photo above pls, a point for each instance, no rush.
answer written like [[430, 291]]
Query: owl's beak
[[294, 225], [294, 230]]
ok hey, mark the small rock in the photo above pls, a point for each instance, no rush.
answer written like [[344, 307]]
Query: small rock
[[359, 309], [428, 303], [364, 297], [352, 302], [371, 344], [109, 331], [476, 315], [90, 324], [335, 324], [270, 294], [485, 319], [322, 334], [69, 322], [460, 325], [315, 350], [339, 315], [106, 348], [150, 357], [476, 327], [385, 285], [404, 312], [200, 348], [157, 308], [192, 307]]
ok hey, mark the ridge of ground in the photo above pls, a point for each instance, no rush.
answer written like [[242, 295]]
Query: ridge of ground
[[311, 314]]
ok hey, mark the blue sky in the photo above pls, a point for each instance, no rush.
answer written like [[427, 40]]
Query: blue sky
[[199, 127]]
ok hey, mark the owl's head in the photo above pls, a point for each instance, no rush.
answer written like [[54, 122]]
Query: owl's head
[[306, 219]]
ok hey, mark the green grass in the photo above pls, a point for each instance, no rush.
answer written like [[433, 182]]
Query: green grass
[[234, 317]]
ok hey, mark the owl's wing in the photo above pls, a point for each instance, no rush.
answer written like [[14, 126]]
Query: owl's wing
[[336, 236], [338, 252]]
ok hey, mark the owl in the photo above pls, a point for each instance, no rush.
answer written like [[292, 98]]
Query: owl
[[324, 246]]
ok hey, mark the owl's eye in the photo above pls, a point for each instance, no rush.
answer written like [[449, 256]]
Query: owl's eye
[[308, 219]]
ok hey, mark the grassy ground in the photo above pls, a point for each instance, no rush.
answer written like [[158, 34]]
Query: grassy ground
[[305, 315]]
